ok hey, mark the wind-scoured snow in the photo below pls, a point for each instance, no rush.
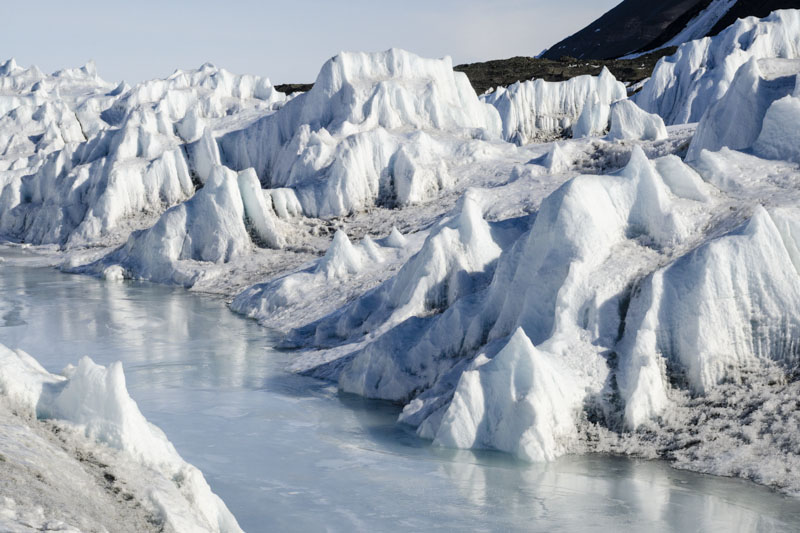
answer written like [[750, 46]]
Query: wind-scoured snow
[[91, 406], [699, 74]]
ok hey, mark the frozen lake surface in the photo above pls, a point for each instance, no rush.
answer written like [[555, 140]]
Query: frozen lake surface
[[289, 453]]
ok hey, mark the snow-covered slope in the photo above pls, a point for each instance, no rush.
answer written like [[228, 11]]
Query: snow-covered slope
[[684, 85], [91, 407], [538, 110]]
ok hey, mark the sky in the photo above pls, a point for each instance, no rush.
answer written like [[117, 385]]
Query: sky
[[286, 40]]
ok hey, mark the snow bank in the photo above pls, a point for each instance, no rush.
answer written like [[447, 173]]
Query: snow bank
[[699, 74], [736, 120], [93, 400], [724, 310], [541, 110], [363, 134]]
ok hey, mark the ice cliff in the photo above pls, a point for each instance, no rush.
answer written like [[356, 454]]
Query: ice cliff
[[538, 110]]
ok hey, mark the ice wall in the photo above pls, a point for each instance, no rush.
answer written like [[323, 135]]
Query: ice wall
[[538, 110]]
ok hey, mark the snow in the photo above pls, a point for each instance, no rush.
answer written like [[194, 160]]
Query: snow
[[699, 74], [697, 28], [540, 110], [91, 402]]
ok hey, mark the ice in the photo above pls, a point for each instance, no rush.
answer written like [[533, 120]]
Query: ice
[[722, 311], [518, 402], [629, 121], [593, 120], [258, 212], [342, 258], [208, 227], [537, 109], [93, 401], [449, 265], [684, 85], [736, 120], [396, 239], [362, 135], [83, 157]]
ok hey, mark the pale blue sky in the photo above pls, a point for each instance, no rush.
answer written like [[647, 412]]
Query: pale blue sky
[[285, 40]]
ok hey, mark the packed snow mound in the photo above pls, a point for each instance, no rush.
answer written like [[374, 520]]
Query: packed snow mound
[[541, 110], [736, 120], [365, 133], [94, 401], [208, 227], [699, 74], [451, 263], [727, 309], [83, 158], [629, 121], [520, 402]]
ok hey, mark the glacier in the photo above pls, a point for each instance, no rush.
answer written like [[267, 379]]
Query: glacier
[[546, 269]]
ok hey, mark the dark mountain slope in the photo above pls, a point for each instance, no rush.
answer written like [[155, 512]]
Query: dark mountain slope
[[643, 25], [626, 28], [752, 8]]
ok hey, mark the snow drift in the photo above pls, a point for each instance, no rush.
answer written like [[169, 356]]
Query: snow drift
[[93, 401]]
